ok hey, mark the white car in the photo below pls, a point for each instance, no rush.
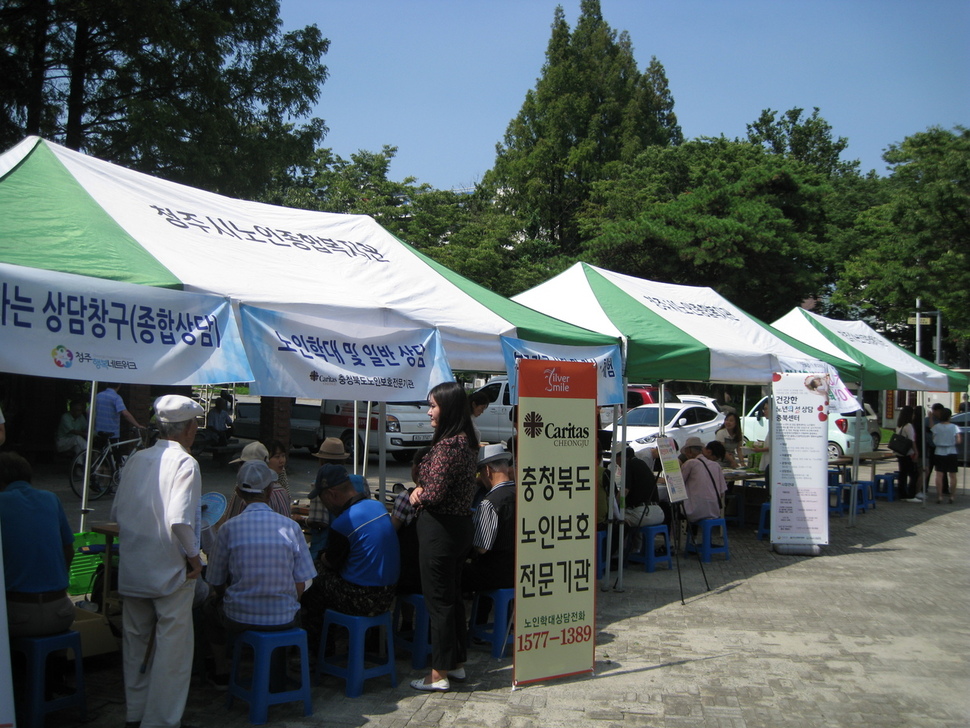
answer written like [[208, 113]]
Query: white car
[[692, 416], [841, 432]]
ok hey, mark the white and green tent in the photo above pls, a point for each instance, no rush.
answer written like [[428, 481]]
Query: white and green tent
[[330, 284], [675, 332], [884, 365]]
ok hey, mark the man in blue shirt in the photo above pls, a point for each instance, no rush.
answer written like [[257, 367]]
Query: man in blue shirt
[[36, 577], [358, 572], [263, 557], [109, 408]]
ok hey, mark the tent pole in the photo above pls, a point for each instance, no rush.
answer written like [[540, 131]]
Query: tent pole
[[854, 490], [382, 450], [618, 493], [363, 468], [92, 403]]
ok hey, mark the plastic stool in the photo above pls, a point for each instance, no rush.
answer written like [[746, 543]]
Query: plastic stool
[[860, 501], [835, 477], [37, 650], [646, 554], [418, 643], [886, 486], [737, 497], [258, 693], [354, 673], [835, 500], [502, 602], [764, 521], [867, 490], [706, 548]]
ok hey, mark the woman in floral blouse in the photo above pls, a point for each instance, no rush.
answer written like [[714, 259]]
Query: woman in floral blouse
[[443, 499]]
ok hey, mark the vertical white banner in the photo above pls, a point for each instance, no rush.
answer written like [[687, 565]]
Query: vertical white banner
[[799, 459], [555, 595]]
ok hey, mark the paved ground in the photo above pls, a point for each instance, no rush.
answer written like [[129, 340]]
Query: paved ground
[[873, 632]]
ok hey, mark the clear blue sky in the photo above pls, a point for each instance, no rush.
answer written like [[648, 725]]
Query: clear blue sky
[[441, 79]]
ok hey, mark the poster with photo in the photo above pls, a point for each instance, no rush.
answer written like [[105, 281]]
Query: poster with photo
[[799, 459]]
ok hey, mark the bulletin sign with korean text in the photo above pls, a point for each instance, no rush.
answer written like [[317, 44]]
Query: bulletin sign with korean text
[[555, 598]]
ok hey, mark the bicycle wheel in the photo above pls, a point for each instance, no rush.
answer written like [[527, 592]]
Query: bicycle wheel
[[101, 476]]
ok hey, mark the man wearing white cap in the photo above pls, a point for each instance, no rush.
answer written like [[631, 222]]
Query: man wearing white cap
[[158, 511], [265, 557]]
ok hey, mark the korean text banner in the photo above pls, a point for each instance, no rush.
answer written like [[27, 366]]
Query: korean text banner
[[75, 327], [555, 595], [293, 356], [799, 459], [609, 367]]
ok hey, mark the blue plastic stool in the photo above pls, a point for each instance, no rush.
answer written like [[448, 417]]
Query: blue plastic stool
[[860, 501], [646, 554], [764, 521], [37, 650], [835, 477], [707, 525], [494, 632], [258, 693], [868, 493], [417, 642], [354, 673], [886, 486], [835, 500]]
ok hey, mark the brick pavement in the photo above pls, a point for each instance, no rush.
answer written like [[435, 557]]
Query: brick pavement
[[872, 632]]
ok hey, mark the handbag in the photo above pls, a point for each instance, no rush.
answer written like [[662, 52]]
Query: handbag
[[900, 445]]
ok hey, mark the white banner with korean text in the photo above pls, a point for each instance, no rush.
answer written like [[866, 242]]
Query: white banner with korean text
[[555, 598], [292, 355], [609, 365], [799, 459], [76, 327]]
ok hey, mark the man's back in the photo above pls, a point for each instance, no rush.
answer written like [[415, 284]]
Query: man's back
[[107, 412], [262, 555], [374, 555]]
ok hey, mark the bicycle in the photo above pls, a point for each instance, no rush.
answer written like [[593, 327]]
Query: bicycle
[[107, 460]]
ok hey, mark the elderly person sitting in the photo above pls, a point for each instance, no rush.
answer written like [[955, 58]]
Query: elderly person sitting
[[358, 572], [704, 482], [263, 558]]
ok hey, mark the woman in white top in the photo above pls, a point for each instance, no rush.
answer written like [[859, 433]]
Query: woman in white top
[[729, 435], [946, 438]]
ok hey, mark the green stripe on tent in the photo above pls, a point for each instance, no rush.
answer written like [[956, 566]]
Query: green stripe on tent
[[877, 375], [674, 355], [60, 227], [848, 370], [530, 325]]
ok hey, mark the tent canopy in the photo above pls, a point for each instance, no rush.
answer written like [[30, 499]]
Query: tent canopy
[[675, 332], [75, 214], [884, 364]]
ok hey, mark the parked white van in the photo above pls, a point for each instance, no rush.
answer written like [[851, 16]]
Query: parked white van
[[408, 426]]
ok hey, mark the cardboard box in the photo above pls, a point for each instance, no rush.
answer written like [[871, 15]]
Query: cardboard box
[[96, 635]]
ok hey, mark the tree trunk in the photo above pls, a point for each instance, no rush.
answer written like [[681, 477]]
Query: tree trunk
[[74, 131], [40, 15]]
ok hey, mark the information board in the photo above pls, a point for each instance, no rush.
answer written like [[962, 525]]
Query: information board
[[667, 452], [799, 459], [555, 598]]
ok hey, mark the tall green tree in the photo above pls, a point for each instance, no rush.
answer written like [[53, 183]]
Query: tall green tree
[[917, 243], [718, 213], [808, 140], [206, 92], [591, 109]]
